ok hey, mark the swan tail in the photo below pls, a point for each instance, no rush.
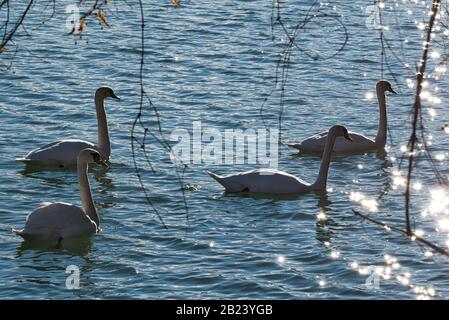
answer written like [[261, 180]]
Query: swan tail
[[220, 179], [18, 232], [29, 236], [215, 176], [295, 145], [227, 183]]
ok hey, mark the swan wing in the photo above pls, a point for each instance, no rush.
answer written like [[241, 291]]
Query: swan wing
[[275, 182], [316, 143], [55, 221], [359, 143], [230, 183], [264, 181], [63, 152]]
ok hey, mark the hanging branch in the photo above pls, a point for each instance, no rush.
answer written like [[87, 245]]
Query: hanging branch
[[417, 123], [139, 114], [95, 9], [412, 236], [8, 35], [283, 64], [148, 132], [417, 114]]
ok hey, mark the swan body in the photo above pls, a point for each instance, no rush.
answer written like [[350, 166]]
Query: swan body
[[65, 152], [279, 182], [57, 221], [58, 152], [316, 143], [360, 143], [262, 181]]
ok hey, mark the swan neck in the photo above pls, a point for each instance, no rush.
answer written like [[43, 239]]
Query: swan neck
[[104, 144], [381, 137], [86, 195], [321, 181]]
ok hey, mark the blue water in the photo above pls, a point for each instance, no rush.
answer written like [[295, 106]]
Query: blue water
[[215, 62]]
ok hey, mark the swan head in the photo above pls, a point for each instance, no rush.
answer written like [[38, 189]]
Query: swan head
[[90, 156], [340, 131], [384, 86], [106, 92]]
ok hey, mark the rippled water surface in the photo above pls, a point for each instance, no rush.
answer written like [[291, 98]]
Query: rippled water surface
[[215, 62]]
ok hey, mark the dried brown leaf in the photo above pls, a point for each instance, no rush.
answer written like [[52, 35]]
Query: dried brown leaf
[[82, 25], [102, 18], [177, 3]]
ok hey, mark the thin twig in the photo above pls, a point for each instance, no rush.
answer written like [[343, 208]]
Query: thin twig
[[412, 236], [416, 114]]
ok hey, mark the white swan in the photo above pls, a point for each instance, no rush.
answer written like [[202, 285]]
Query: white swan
[[360, 143], [278, 182], [57, 221], [65, 152]]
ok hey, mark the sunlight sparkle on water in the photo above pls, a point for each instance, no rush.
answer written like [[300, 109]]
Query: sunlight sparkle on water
[[425, 94], [403, 280], [321, 217], [435, 55], [369, 204], [434, 100], [443, 224], [441, 69], [392, 261], [424, 293], [419, 232], [281, 259], [363, 271], [335, 254], [439, 201], [398, 181]]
